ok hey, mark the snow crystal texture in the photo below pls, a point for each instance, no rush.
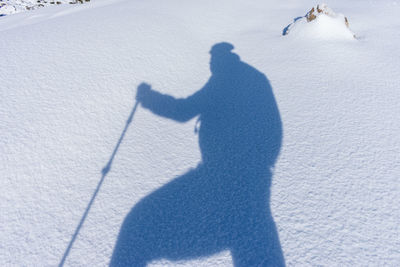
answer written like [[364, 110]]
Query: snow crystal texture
[[314, 123]]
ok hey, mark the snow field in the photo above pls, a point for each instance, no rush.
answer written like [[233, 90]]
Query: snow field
[[68, 83]]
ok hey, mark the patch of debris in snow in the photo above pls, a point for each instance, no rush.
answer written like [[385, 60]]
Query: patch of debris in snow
[[321, 22], [8, 7]]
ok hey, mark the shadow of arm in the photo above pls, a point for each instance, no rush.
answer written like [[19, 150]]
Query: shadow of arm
[[182, 109]]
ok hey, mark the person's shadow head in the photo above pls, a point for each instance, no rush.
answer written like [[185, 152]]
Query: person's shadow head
[[223, 204], [222, 58]]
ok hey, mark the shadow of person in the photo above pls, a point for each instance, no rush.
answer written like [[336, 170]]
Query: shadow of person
[[223, 204]]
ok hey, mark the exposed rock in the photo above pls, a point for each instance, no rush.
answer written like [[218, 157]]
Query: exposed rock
[[15, 6]]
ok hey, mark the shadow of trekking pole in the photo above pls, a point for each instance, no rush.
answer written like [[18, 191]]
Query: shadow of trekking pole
[[104, 172]]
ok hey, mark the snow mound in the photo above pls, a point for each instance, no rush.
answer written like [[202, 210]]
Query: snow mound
[[9, 7], [320, 23]]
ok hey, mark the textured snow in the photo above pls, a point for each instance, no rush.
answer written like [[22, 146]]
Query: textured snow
[[68, 84]]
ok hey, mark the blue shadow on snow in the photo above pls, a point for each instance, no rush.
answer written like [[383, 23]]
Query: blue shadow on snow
[[286, 29], [222, 204]]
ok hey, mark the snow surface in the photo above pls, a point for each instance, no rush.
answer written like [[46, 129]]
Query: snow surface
[[67, 86]]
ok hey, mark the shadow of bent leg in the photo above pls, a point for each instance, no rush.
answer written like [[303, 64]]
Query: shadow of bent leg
[[129, 250], [168, 224], [260, 247]]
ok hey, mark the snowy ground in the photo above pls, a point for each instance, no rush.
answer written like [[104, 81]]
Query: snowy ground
[[67, 85]]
